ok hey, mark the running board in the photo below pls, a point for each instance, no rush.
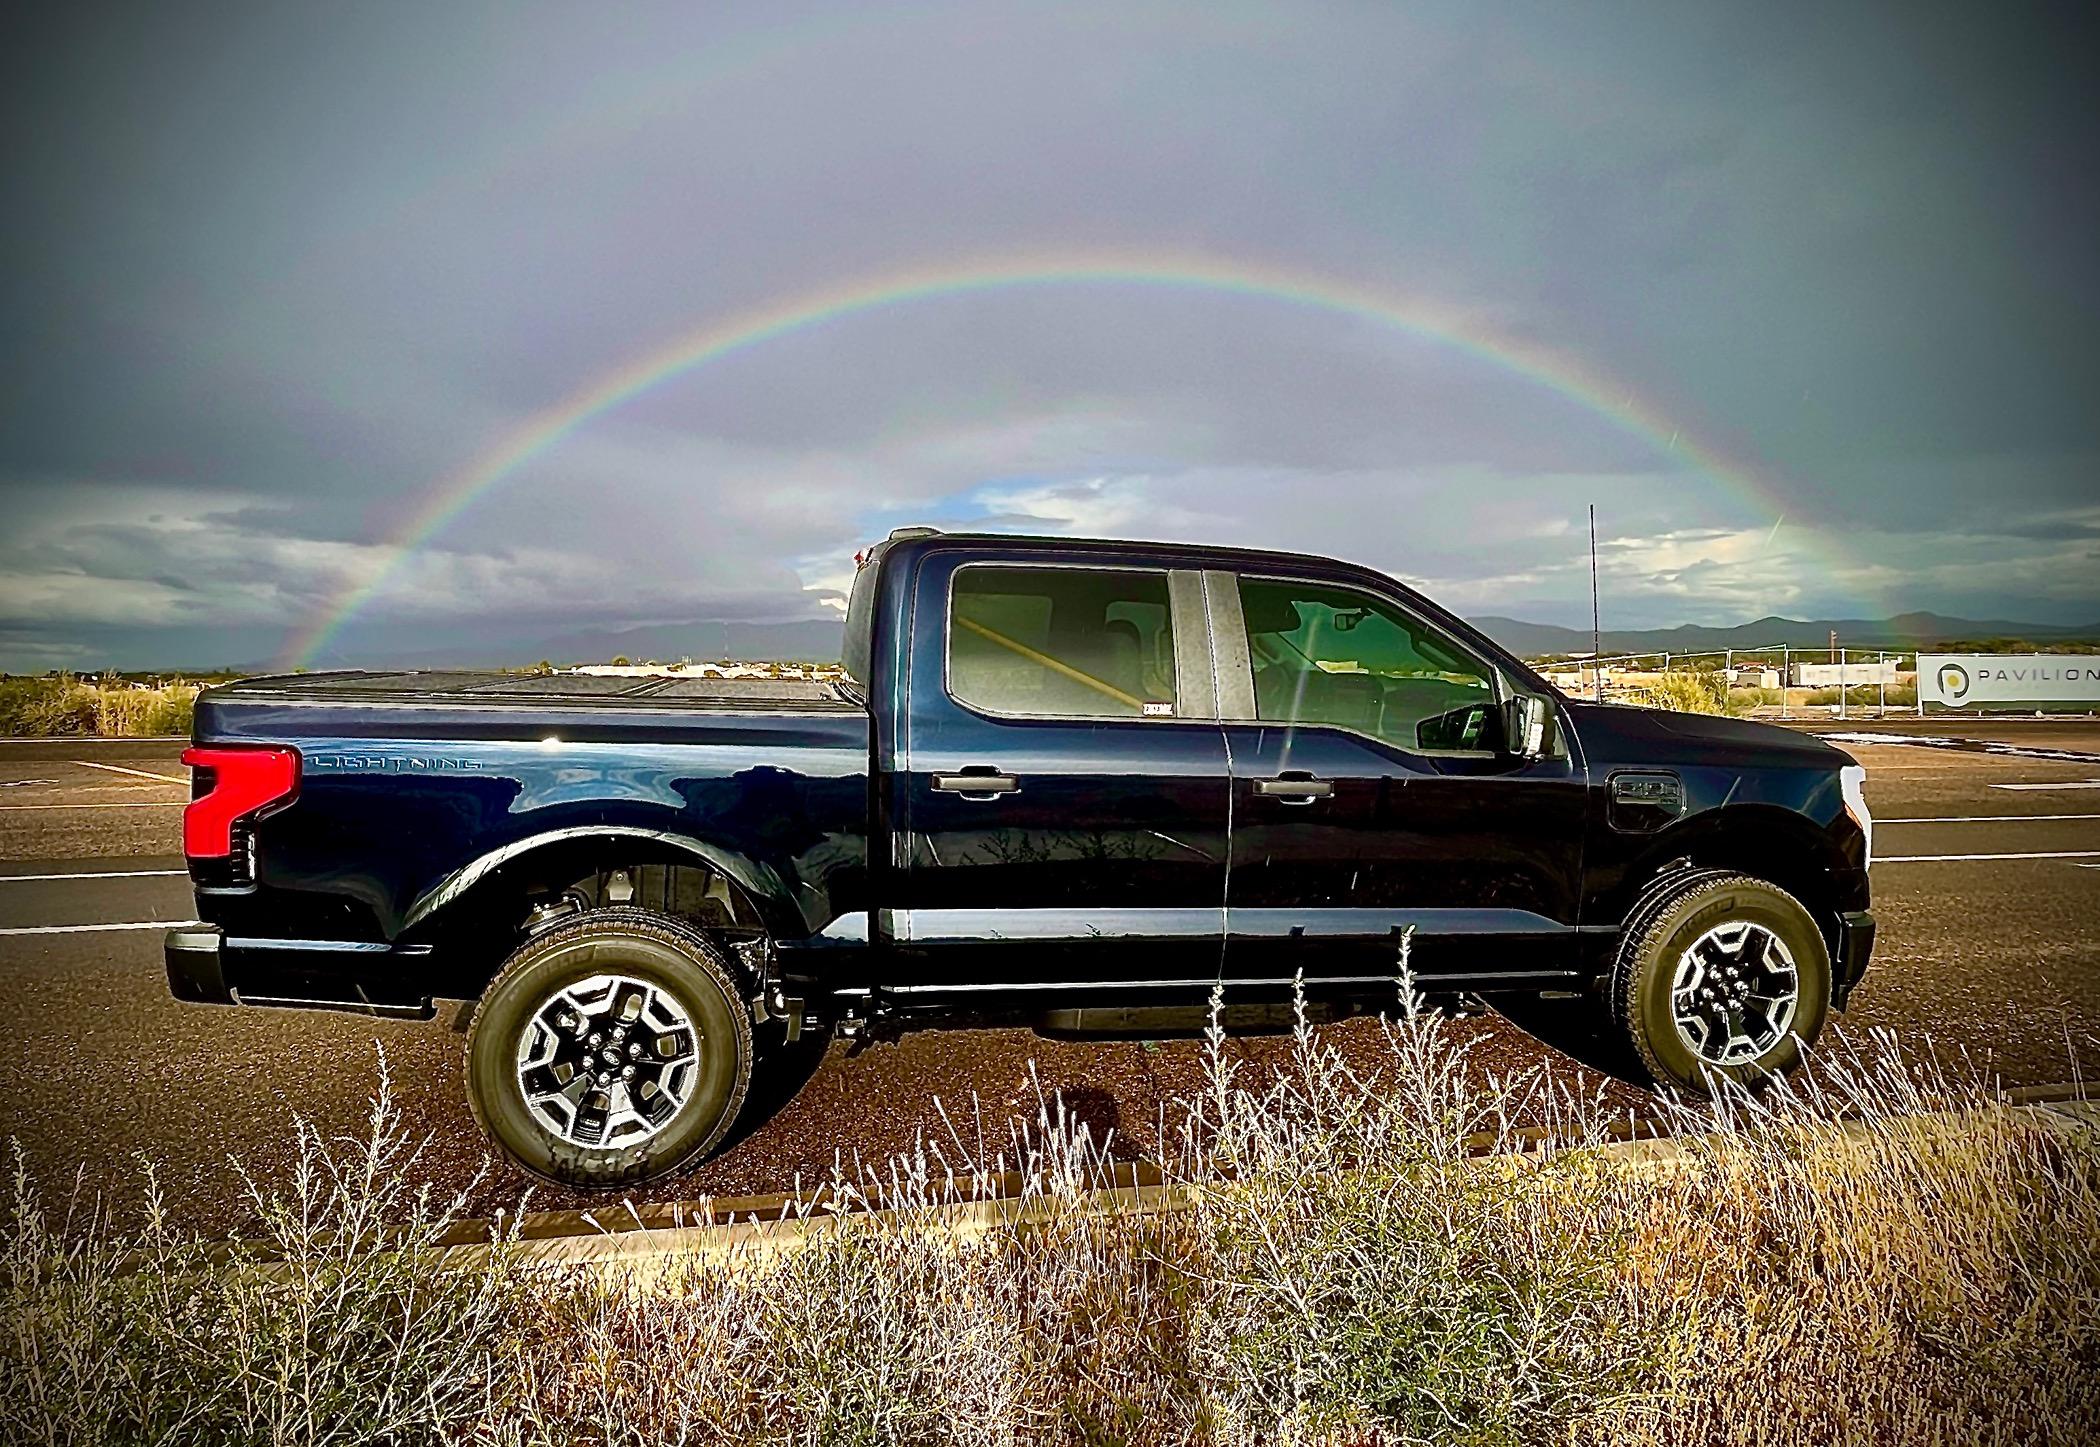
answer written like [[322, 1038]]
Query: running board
[[424, 1010]]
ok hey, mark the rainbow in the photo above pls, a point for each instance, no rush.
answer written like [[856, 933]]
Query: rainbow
[[714, 341]]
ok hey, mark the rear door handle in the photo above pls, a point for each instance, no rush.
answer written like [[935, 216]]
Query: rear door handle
[[977, 786], [1295, 790]]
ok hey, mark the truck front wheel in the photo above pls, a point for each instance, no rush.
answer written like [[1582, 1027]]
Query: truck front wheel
[[1727, 977], [612, 1050]]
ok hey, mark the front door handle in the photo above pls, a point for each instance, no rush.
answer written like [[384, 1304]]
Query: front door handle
[[977, 786], [1295, 789]]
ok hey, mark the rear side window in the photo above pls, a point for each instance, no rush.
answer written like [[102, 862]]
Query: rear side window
[[858, 649], [1061, 642]]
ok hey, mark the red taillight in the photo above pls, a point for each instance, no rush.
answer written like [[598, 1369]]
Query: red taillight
[[245, 784]]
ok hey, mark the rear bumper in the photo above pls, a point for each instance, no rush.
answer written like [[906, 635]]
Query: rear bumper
[[206, 967], [194, 973], [1855, 943]]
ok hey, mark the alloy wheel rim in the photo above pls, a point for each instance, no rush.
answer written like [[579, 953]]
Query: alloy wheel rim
[[608, 1062], [1735, 994]]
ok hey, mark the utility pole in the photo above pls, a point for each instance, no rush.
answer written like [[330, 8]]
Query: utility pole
[[1837, 656], [1596, 623]]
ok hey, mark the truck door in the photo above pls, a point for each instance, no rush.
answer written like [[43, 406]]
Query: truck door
[[1063, 784], [1373, 791]]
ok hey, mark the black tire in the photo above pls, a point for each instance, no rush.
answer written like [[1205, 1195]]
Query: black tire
[[665, 953], [1645, 973]]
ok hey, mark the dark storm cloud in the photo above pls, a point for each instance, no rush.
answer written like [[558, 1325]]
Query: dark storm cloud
[[275, 272]]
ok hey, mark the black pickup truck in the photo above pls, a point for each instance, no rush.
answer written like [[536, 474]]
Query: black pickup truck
[[1066, 783]]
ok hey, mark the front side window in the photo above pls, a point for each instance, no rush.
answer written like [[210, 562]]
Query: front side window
[[1327, 655], [1061, 642]]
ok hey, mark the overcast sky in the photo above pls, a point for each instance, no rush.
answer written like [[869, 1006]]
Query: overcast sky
[[273, 272]]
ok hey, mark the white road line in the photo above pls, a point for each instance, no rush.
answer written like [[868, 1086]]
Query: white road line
[[104, 874], [1983, 818], [1950, 858], [135, 773], [73, 929], [23, 783], [2077, 784], [128, 804]]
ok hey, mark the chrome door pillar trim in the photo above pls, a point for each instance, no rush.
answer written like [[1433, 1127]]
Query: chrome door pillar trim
[[1233, 664], [1195, 683]]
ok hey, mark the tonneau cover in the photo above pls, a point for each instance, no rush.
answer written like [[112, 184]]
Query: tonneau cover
[[565, 689]]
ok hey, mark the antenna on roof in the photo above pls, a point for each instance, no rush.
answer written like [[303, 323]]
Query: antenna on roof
[[1596, 623]]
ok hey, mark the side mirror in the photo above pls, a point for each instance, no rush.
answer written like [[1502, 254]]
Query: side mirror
[[1526, 720]]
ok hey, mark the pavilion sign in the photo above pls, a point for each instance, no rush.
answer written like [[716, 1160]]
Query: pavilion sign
[[1988, 681]]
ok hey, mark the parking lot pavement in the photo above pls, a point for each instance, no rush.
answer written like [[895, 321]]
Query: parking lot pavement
[[1990, 944], [83, 798], [1988, 901]]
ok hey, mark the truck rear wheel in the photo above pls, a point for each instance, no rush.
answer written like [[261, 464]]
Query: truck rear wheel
[[1727, 977], [612, 1050]]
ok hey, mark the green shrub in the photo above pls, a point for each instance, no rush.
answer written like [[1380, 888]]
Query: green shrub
[[1689, 691]]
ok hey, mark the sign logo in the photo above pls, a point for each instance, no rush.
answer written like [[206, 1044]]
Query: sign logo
[[1954, 681]]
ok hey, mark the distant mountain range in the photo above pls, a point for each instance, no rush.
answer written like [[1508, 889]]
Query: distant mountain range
[[817, 640], [1904, 631]]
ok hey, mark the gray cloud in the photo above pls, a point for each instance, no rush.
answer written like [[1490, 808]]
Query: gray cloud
[[274, 274]]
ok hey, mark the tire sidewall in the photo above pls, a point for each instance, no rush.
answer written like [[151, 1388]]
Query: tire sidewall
[[559, 961], [1678, 926]]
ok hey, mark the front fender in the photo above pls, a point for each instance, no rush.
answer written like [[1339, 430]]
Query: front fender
[[1766, 841]]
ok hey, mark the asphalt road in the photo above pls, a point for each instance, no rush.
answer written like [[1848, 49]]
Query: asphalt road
[[1987, 886]]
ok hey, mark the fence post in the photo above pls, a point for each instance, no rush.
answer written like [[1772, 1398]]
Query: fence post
[[1785, 674], [1881, 675]]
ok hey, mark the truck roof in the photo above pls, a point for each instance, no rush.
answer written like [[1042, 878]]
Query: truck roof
[[1214, 554], [1058, 542]]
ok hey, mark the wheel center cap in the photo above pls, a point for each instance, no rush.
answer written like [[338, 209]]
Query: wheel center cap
[[587, 1038]]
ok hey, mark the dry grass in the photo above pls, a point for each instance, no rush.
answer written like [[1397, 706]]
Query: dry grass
[[1889, 1256], [108, 707]]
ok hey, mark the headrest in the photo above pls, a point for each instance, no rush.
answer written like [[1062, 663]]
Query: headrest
[[1269, 613]]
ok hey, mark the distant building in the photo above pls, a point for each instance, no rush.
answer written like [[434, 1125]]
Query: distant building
[[1833, 675]]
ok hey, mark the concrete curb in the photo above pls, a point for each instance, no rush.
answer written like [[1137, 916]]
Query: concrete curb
[[650, 1240]]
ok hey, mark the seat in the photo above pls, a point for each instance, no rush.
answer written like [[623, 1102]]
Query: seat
[[1123, 657]]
